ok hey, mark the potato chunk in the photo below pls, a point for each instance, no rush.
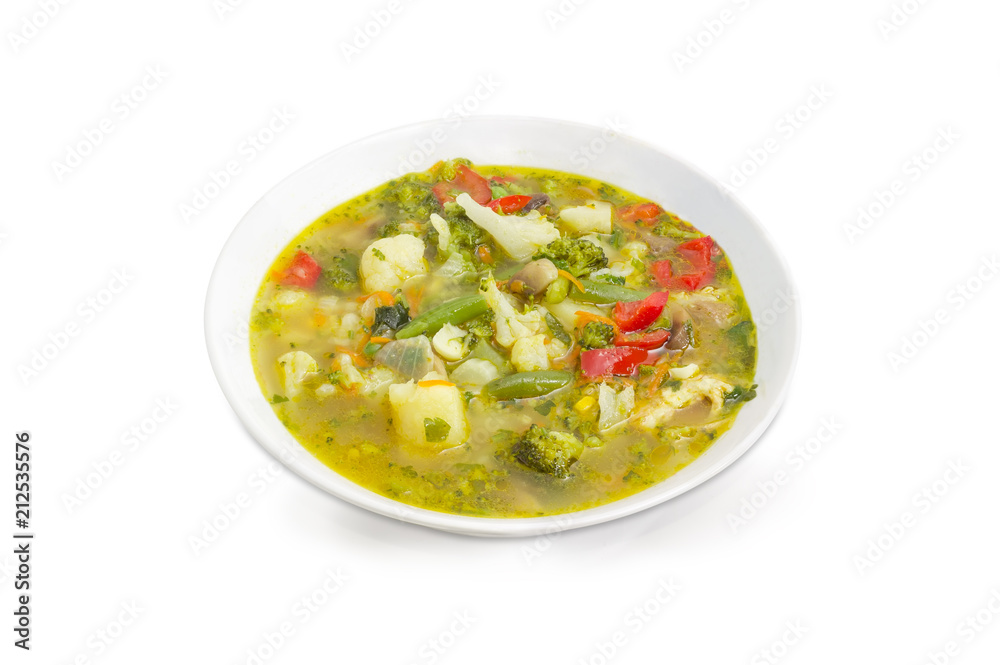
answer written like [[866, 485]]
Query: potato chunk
[[595, 217], [430, 417], [389, 262]]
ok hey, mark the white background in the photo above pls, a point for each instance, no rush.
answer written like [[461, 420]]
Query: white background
[[803, 558]]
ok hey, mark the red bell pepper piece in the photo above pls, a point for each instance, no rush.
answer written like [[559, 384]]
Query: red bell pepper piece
[[632, 316], [509, 204], [650, 340], [303, 271], [468, 181], [698, 253], [617, 360], [637, 211]]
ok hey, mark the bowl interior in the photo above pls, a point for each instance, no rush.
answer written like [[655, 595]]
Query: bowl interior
[[302, 197]]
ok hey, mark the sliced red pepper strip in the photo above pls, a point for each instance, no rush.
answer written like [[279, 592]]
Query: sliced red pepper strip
[[639, 315], [468, 181], [303, 271], [649, 341], [637, 211], [618, 360], [509, 204]]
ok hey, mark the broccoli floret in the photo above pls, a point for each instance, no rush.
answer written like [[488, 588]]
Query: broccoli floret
[[390, 318], [413, 198], [465, 234], [672, 226], [342, 275], [547, 451], [597, 335], [574, 255], [481, 326], [448, 169]]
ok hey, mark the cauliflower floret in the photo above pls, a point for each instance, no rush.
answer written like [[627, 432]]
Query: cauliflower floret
[[593, 217], [511, 325], [475, 372], [295, 366], [529, 354], [556, 349], [449, 342], [635, 249], [431, 417], [350, 376], [690, 390], [519, 236], [389, 262], [615, 407], [444, 232]]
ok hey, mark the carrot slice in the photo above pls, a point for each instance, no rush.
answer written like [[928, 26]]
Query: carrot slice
[[384, 297], [359, 358], [434, 382], [379, 340], [573, 280], [589, 316]]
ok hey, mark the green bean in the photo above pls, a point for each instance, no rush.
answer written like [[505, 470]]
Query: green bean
[[454, 311], [603, 293], [527, 384]]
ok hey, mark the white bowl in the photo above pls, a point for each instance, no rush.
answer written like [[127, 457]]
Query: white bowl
[[305, 195]]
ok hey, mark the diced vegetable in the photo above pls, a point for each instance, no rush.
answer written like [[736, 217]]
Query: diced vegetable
[[698, 253], [303, 271], [449, 342], [529, 354], [509, 204], [295, 366], [640, 314], [389, 262], [685, 372], [597, 335], [412, 405], [576, 256], [342, 272], [466, 182], [475, 372], [528, 384], [410, 358], [511, 325], [616, 407], [519, 236], [597, 292], [548, 451], [390, 318], [649, 340], [619, 361], [595, 217], [534, 277], [444, 232], [639, 211], [455, 311]]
